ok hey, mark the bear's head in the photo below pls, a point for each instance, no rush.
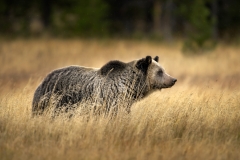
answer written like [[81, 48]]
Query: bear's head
[[156, 76]]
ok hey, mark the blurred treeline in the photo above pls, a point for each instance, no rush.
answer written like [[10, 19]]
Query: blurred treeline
[[196, 20]]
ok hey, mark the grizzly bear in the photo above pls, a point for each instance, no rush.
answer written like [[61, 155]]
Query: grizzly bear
[[116, 84]]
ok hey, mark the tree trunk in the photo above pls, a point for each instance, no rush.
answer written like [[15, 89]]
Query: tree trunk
[[215, 19], [167, 29], [46, 12], [157, 11]]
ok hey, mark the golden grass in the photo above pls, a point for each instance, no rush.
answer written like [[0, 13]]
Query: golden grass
[[198, 118]]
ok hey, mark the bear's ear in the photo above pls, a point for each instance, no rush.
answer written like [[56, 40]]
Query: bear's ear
[[156, 58], [143, 63]]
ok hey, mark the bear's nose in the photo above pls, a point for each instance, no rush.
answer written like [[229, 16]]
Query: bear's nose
[[174, 80]]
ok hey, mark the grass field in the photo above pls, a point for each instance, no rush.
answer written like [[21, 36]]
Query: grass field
[[198, 118]]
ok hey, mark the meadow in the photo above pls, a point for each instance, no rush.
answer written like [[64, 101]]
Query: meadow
[[198, 118]]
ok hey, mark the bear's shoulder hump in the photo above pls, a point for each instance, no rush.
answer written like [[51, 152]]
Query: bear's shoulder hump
[[112, 67]]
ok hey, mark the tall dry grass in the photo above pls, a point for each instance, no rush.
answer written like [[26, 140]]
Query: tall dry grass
[[198, 118]]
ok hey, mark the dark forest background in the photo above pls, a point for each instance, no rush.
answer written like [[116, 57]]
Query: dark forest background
[[200, 22]]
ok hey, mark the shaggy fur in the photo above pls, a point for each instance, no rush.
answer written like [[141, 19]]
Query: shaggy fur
[[115, 84]]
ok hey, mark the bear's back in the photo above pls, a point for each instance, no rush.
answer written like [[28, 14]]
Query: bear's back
[[64, 79]]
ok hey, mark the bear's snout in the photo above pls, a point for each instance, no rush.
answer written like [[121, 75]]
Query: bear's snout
[[174, 81]]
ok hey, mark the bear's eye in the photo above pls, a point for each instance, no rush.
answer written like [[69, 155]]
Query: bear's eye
[[160, 72]]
